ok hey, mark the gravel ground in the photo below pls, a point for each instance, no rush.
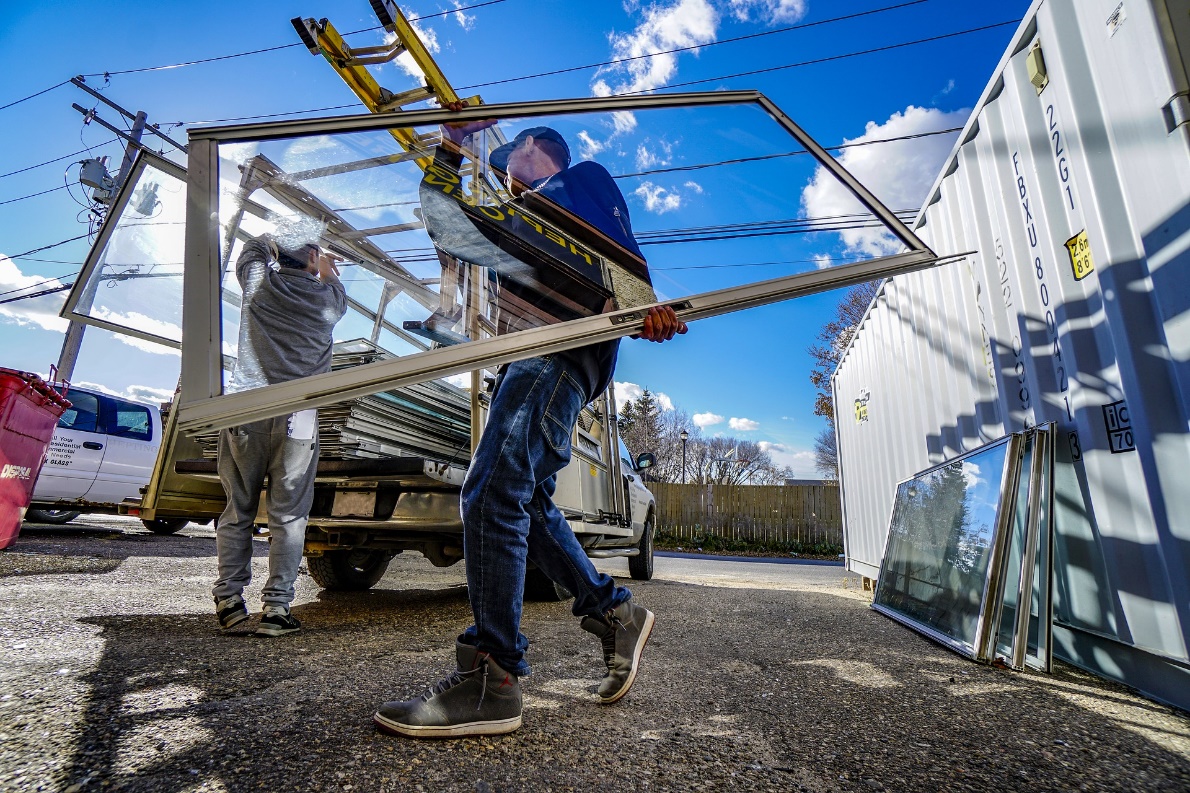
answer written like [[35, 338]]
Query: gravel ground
[[113, 676]]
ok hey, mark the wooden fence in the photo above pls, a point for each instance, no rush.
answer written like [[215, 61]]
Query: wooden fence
[[808, 514]]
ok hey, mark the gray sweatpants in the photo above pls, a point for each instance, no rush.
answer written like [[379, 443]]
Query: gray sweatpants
[[248, 453]]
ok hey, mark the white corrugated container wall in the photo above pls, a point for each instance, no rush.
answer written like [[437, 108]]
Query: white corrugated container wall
[[1025, 330]]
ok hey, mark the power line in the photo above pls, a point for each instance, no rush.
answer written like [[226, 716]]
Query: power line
[[59, 159], [760, 157], [57, 278], [33, 195], [618, 61], [826, 59], [749, 264], [675, 85], [47, 247], [62, 288], [272, 49], [31, 96]]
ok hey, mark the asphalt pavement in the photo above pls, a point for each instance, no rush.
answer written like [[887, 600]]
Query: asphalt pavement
[[759, 676]]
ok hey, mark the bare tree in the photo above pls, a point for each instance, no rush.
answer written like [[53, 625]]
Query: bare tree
[[833, 340], [832, 343], [647, 427], [826, 453]]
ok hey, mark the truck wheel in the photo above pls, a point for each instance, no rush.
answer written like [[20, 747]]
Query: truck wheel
[[640, 567], [539, 587], [349, 571], [166, 525], [54, 516]]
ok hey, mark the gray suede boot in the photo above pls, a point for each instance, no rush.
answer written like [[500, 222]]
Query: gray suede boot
[[478, 698], [623, 632]]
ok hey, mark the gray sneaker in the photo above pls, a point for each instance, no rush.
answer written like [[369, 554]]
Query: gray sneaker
[[478, 698], [231, 611], [623, 632]]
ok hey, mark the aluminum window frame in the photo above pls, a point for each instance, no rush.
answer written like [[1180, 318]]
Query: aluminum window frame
[[203, 406], [974, 650], [142, 160]]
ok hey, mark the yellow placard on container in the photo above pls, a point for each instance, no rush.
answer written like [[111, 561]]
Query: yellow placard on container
[[1079, 249]]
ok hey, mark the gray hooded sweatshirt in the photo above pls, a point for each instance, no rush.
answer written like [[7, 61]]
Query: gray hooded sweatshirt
[[287, 321]]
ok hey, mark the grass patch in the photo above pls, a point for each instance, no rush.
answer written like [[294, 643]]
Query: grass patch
[[709, 543]]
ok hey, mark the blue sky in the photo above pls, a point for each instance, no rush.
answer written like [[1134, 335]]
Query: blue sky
[[746, 373]]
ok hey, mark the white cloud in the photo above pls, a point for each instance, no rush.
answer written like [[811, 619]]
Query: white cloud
[[971, 472], [771, 11], [623, 122], [704, 420], [630, 392], [143, 323], [693, 187], [428, 36], [823, 260], [898, 173], [40, 311], [588, 147], [800, 461], [137, 393], [743, 425], [656, 155], [684, 23], [657, 199], [466, 21], [462, 381]]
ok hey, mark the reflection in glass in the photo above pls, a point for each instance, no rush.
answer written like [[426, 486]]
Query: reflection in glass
[[443, 245], [137, 280], [940, 539]]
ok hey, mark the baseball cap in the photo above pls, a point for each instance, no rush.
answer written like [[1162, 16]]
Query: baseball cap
[[499, 157]]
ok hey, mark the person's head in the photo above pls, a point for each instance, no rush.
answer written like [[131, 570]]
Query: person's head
[[303, 258], [534, 154]]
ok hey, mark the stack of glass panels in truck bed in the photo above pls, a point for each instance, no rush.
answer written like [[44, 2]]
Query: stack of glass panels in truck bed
[[431, 419]]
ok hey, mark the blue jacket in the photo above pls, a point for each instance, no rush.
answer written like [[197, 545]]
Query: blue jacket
[[588, 190]]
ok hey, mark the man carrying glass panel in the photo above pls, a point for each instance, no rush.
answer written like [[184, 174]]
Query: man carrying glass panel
[[287, 319], [509, 517]]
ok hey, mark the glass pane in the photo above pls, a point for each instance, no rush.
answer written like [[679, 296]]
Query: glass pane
[[529, 222], [137, 282], [1016, 553], [1037, 654], [130, 421], [83, 413], [939, 543]]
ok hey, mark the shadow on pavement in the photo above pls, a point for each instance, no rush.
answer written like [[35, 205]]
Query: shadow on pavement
[[739, 690]]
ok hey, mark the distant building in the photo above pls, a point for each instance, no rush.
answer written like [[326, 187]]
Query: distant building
[[791, 482]]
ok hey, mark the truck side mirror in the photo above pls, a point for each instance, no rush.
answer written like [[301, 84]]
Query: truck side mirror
[[645, 460]]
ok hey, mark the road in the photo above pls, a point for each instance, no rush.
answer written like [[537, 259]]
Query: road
[[758, 677]]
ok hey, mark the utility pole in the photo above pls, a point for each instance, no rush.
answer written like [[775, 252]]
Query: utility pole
[[74, 334]]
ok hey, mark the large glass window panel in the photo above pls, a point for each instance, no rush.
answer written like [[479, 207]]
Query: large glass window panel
[[941, 537], [133, 280], [654, 204], [657, 200]]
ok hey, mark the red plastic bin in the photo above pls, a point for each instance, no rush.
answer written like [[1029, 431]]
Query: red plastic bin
[[29, 411]]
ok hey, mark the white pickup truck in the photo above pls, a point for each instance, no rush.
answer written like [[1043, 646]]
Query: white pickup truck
[[102, 453]]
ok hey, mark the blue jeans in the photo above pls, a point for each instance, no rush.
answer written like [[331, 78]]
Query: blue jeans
[[509, 516]]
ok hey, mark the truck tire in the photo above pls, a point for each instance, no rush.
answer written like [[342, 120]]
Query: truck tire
[[166, 525], [54, 516], [349, 571], [640, 567], [540, 587]]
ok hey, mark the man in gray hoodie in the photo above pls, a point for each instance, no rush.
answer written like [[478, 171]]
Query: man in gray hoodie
[[287, 319]]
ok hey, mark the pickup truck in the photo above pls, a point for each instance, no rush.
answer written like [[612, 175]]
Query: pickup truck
[[366, 511], [102, 453]]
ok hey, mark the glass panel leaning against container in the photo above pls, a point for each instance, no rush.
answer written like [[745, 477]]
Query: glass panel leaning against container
[[464, 243], [968, 557]]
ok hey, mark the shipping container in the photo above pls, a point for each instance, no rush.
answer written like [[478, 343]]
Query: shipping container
[[1070, 186]]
